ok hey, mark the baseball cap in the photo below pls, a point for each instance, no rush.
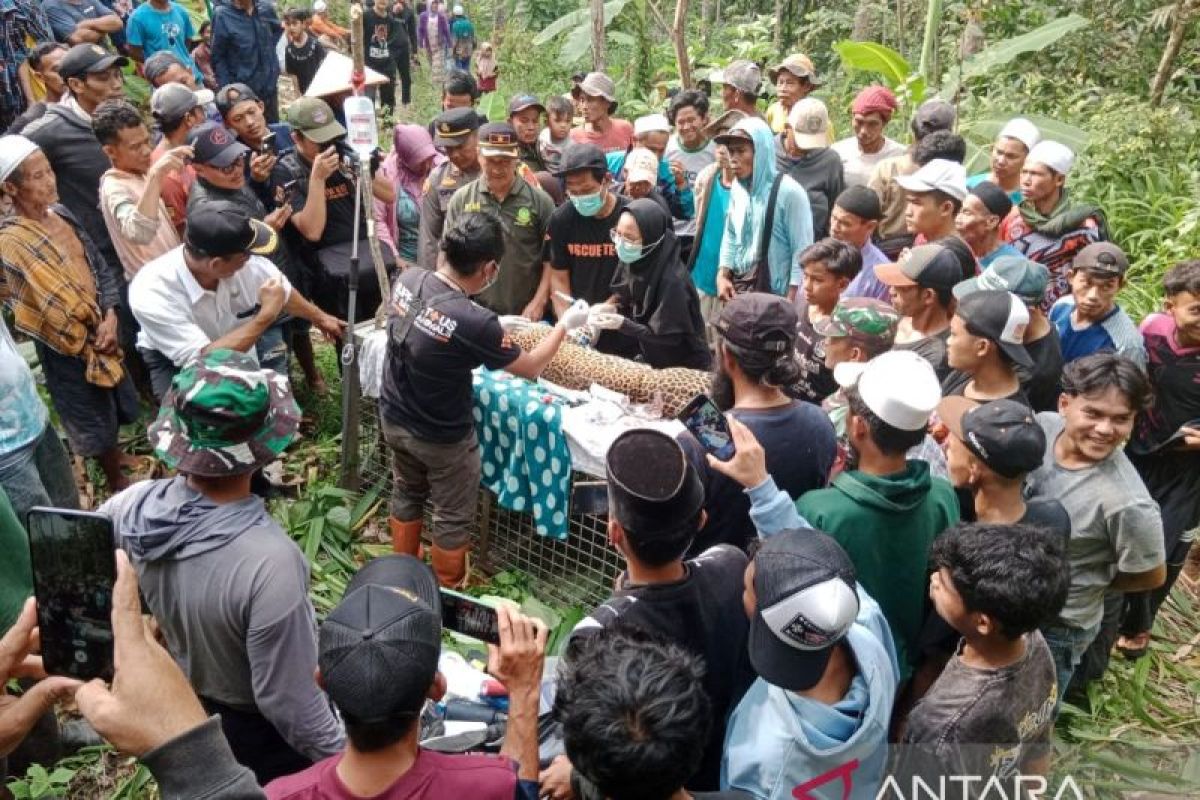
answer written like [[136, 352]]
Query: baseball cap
[[229, 96], [172, 100], [402, 571], [314, 118], [799, 65], [1055, 155], [862, 319], [223, 228], [215, 145], [651, 484], [641, 165], [84, 58], [899, 386], [521, 102], [1103, 257], [759, 321], [651, 123], [743, 75], [1003, 434], [224, 415], [930, 266], [809, 119], [933, 115], [597, 84], [1023, 277], [942, 175], [498, 139], [578, 155], [451, 128], [1022, 130], [861, 201], [806, 602], [378, 652], [999, 316]]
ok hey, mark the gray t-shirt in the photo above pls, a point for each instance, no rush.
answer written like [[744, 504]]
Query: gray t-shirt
[[1115, 524], [693, 162], [983, 722]]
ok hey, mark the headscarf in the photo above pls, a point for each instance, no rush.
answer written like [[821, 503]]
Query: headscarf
[[660, 255], [875, 100], [412, 145], [748, 205]]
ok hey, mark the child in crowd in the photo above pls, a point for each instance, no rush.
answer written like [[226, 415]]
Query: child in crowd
[[1165, 447], [560, 110], [486, 68], [202, 56], [829, 265], [303, 54], [991, 712], [1088, 319]]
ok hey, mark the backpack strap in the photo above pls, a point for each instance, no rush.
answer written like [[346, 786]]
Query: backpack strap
[[762, 282]]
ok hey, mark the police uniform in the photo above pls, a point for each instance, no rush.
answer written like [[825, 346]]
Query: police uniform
[[451, 128], [525, 214]]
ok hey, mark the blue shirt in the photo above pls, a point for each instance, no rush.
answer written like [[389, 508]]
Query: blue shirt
[[865, 284], [708, 257], [973, 181], [1004, 249], [65, 15], [1114, 333], [155, 31], [22, 413]]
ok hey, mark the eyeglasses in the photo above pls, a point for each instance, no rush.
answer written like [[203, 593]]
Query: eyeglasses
[[617, 239], [234, 168]]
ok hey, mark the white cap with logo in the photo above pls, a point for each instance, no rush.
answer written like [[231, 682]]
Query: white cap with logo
[[809, 120]]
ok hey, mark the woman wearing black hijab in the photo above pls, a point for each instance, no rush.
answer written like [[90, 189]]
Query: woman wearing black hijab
[[656, 304]]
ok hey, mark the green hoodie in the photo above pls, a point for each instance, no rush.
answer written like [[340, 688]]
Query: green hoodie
[[887, 523]]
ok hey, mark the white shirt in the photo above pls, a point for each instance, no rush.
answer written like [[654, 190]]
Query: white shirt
[[179, 318], [857, 165]]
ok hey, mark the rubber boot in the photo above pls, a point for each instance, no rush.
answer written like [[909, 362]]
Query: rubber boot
[[406, 536], [450, 566]]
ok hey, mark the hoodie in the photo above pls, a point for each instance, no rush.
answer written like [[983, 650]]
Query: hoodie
[[792, 224], [887, 523], [230, 592], [780, 744]]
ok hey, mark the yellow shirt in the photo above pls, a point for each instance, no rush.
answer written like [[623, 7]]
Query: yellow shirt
[[777, 117]]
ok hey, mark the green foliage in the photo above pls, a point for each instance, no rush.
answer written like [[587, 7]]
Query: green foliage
[[39, 783]]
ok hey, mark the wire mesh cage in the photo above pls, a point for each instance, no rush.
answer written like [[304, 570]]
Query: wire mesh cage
[[576, 571]]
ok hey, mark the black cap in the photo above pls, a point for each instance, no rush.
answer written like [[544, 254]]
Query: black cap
[[578, 155], [223, 228], [860, 201], [395, 569], [1003, 434], [805, 603], [229, 96], [523, 101], [498, 139], [84, 58], [1103, 257], [994, 199], [215, 145], [759, 321], [378, 652], [652, 487], [933, 115], [930, 266], [451, 128], [999, 316]]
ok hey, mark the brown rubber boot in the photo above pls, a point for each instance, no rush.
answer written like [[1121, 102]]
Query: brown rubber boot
[[406, 536], [450, 566]]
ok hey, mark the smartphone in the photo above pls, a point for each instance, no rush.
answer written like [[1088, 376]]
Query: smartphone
[[268, 144], [706, 422], [291, 190], [590, 498], [74, 571], [470, 617]]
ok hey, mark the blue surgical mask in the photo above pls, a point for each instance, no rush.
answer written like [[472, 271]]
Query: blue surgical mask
[[629, 252], [588, 205]]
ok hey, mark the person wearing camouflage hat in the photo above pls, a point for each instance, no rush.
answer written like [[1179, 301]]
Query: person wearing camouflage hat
[[859, 329], [225, 582]]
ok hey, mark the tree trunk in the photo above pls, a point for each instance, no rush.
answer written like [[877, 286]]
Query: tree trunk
[[929, 43], [1184, 10], [777, 34], [597, 35], [705, 11], [678, 29]]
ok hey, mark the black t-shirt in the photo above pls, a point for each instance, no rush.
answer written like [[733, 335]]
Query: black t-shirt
[[387, 40], [427, 376], [816, 380], [956, 382], [702, 613], [303, 61], [581, 245], [932, 349], [800, 446], [339, 200], [1041, 382]]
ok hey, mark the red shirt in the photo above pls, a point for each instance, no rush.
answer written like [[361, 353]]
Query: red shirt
[[618, 137], [434, 776], [175, 187]]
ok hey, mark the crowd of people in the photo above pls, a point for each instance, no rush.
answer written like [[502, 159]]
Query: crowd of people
[[962, 473]]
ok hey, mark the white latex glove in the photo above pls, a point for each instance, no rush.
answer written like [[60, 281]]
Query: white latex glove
[[514, 323], [576, 315], [606, 321], [603, 308]]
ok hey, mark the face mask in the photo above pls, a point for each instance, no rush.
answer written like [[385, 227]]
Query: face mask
[[490, 281], [588, 205], [628, 252]]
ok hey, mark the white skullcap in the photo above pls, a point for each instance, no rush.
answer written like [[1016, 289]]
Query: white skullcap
[[13, 150], [651, 123], [319, 6], [1023, 131], [1055, 155]]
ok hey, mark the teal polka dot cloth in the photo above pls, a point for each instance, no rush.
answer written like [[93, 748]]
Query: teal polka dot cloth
[[524, 455]]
